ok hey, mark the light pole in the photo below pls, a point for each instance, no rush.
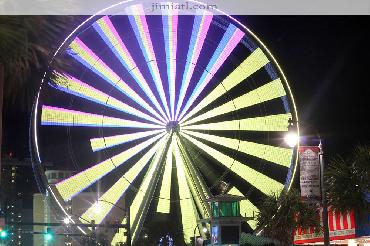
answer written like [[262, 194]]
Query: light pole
[[323, 198], [195, 239], [292, 139]]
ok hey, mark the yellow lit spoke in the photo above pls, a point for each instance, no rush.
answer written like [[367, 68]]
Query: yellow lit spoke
[[165, 192], [262, 182], [52, 116], [246, 207], [79, 182], [253, 63], [280, 156], [107, 142], [272, 90], [278, 123], [112, 196]]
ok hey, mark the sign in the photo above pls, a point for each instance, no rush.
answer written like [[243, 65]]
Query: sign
[[310, 173], [341, 226]]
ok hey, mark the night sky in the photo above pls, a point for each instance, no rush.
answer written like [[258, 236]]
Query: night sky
[[325, 59]]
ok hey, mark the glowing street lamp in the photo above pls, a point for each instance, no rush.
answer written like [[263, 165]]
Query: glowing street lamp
[[291, 138], [66, 221]]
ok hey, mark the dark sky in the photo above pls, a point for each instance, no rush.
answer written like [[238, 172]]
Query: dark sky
[[325, 59]]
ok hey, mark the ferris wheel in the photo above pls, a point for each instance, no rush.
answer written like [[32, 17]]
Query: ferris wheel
[[160, 113]]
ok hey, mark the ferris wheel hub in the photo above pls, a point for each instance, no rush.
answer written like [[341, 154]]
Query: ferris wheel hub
[[173, 126]]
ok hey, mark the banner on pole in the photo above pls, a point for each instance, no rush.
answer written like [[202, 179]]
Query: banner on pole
[[309, 163]]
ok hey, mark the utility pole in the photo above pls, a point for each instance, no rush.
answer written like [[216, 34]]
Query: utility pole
[[323, 197]]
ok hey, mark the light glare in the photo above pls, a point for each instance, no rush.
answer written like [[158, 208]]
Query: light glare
[[291, 139]]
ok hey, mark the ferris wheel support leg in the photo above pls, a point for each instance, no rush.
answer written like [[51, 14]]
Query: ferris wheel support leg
[[157, 164], [197, 185]]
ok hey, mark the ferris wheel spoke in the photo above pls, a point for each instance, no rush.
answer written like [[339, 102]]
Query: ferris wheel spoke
[[113, 195], [111, 37], [170, 25], [53, 116], [140, 26], [198, 192], [80, 181], [262, 94], [247, 208], [277, 123], [228, 43], [277, 155], [164, 203], [200, 29], [249, 66], [98, 144], [82, 53], [262, 182], [71, 85], [141, 202], [188, 211]]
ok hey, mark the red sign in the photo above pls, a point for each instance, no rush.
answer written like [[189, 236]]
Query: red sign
[[309, 164], [341, 226]]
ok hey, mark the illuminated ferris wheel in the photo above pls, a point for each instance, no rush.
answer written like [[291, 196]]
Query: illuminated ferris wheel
[[161, 112]]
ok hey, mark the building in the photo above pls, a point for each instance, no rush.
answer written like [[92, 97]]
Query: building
[[17, 187], [46, 211]]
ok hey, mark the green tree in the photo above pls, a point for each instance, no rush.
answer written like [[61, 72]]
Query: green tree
[[280, 214], [27, 44], [348, 181]]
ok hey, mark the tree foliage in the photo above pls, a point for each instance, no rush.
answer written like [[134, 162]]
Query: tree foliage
[[280, 214], [27, 45], [348, 181]]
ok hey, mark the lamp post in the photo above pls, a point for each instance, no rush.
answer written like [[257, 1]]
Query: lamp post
[[195, 239], [323, 198], [292, 139]]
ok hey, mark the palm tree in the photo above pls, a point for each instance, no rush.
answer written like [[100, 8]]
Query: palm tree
[[27, 44], [348, 181], [280, 215]]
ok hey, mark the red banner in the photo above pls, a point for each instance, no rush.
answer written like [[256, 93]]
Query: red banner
[[309, 164], [341, 226]]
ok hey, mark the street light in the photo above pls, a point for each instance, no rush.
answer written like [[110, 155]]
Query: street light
[[323, 197], [204, 229], [291, 137], [67, 221]]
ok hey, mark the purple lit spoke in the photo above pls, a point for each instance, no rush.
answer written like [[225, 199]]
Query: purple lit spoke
[[199, 33], [170, 22], [141, 29], [79, 51], [111, 37]]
